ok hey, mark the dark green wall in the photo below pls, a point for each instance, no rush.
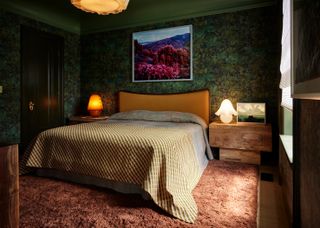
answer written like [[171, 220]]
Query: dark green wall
[[235, 55], [10, 72]]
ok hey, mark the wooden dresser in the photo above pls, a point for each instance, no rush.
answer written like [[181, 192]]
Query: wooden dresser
[[241, 142], [9, 186]]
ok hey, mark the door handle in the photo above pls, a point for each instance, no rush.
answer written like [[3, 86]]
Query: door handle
[[31, 105]]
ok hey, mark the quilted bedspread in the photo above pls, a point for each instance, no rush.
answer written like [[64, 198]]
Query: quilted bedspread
[[160, 160]]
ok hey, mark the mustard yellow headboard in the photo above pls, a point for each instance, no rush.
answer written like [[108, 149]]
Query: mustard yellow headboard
[[193, 102]]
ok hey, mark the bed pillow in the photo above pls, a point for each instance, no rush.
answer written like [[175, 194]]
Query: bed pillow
[[162, 116]]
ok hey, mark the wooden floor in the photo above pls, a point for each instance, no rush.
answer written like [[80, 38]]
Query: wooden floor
[[271, 212]]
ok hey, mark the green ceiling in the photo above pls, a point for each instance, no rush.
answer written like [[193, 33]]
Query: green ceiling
[[61, 14]]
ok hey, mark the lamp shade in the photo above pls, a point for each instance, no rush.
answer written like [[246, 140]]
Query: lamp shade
[[102, 7], [95, 105], [226, 111]]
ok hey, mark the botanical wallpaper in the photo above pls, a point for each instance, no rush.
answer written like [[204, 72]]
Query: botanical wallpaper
[[235, 56], [10, 72]]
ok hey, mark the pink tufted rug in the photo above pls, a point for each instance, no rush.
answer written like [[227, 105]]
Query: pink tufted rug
[[226, 197]]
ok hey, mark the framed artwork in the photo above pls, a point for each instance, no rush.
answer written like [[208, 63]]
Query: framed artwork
[[306, 48], [251, 112], [162, 55]]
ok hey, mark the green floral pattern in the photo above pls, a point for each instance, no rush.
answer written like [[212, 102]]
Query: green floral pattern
[[10, 77], [235, 56]]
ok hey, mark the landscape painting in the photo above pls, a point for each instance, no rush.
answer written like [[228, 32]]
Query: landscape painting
[[251, 112], [162, 55]]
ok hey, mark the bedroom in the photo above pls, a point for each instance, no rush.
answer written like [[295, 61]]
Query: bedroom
[[234, 56]]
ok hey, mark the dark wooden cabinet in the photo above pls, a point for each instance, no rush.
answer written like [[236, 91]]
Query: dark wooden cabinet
[[286, 173], [9, 186]]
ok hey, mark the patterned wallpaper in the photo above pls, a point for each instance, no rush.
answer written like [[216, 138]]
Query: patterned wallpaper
[[10, 72], [235, 56]]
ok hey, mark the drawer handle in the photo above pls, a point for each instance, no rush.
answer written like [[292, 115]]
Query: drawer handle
[[232, 159], [252, 137]]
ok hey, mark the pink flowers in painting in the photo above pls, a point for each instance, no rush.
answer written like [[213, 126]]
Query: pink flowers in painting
[[166, 57], [146, 71]]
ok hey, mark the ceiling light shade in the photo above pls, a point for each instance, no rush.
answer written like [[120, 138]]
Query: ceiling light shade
[[226, 111], [102, 7]]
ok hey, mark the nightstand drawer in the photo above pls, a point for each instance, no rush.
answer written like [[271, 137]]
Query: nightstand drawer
[[241, 140], [237, 136], [250, 157]]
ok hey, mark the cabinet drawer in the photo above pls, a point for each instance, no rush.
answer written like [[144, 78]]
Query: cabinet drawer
[[245, 156], [239, 137]]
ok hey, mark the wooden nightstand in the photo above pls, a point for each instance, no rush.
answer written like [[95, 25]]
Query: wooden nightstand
[[85, 119], [241, 142]]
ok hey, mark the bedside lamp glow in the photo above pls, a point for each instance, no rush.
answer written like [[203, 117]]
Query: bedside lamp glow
[[226, 111], [95, 106]]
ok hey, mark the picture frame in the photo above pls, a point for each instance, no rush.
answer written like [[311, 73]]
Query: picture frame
[[162, 55], [305, 28], [251, 112]]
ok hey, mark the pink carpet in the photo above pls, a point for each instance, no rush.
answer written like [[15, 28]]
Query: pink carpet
[[226, 197]]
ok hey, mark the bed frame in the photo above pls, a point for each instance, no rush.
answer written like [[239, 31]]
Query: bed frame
[[197, 102]]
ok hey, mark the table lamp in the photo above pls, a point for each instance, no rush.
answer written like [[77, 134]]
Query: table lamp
[[95, 105], [226, 111]]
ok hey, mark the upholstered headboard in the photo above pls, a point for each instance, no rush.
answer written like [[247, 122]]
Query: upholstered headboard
[[194, 102]]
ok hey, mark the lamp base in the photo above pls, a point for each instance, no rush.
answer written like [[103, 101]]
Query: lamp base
[[226, 118], [95, 113]]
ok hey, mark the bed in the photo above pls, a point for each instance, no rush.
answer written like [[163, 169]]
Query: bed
[[156, 146]]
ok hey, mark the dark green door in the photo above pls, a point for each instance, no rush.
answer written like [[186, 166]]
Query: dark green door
[[42, 91]]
